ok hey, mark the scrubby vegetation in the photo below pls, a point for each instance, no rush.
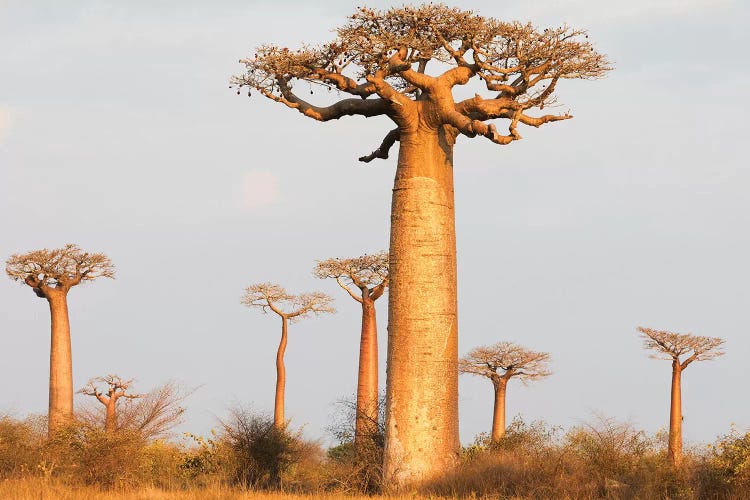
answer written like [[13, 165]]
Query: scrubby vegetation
[[601, 459]]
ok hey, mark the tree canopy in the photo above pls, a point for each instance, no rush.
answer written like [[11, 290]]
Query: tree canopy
[[367, 272], [381, 58], [274, 297], [671, 346], [506, 359], [58, 268]]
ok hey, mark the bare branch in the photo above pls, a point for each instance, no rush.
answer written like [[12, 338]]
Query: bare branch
[[505, 360], [58, 268], [671, 346], [274, 297], [156, 412], [382, 151], [369, 273], [345, 107], [348, 290], [386, 53]]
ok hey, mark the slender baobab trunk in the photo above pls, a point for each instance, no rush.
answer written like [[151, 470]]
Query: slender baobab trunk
[[422, 382], [60, 363], [498, 416], [367, 382], [674, 449], [278, 407]]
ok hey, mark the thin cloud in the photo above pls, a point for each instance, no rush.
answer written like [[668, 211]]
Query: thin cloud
[[259, 188]]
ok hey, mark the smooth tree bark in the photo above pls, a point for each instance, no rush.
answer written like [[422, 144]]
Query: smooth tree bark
[[369, 275], [672, 346], [500, 363], [403, 64], [51, 274], [270, 296], [115, 389]]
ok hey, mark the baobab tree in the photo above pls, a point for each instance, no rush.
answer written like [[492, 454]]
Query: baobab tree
[[500, 363], [270, 296], [369, 275], [115, 389], [671, 346], [150, 415], [403, 63], [51, 274]]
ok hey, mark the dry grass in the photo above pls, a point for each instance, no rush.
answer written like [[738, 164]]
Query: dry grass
[[40, 489]]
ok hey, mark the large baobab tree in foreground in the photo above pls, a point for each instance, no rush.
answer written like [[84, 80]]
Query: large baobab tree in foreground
[[289, 308], [403, 64], [115, 388], [369, 274], [51, 274], [500, 363], [671, 346]]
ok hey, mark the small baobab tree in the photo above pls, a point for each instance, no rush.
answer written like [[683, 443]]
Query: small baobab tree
[[681, 349], [51, 274], [403, 63], [369, 275], [150, 415], [270, 296], [500, 363], [115, 388]]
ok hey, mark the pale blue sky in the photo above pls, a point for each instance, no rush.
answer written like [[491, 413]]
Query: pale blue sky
[[118, 132]]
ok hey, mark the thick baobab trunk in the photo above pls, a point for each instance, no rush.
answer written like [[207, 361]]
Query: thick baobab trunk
[[422, 369], [110, 418], [367, 381], [278, 407], [498, 415], [674, 449], [60, 363]]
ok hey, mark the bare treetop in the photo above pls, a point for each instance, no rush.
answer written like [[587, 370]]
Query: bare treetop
[[115, 386], [275, 297], [366, 272], [671, 345], [384, 54], [156, 412], [58, 268], [505, 360]]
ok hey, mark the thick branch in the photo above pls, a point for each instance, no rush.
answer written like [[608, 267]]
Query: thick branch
[[397, 65], [377, 292], [385, 146], [459, 75], [344, 83], [345, 107], [348, 290]]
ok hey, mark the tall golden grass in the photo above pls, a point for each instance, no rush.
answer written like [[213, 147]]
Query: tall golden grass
[[41, 489]]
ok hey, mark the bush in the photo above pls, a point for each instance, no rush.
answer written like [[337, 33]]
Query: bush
[[89, 455], [354, 468], [20, 442], [726, 471], [260, 453]]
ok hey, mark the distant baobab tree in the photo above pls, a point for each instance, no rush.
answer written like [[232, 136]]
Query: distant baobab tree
[[150, 415], [290, 308], [114, 389], [51, 274], [403, 63], [500, 363], [671, 346], [369, 275]]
